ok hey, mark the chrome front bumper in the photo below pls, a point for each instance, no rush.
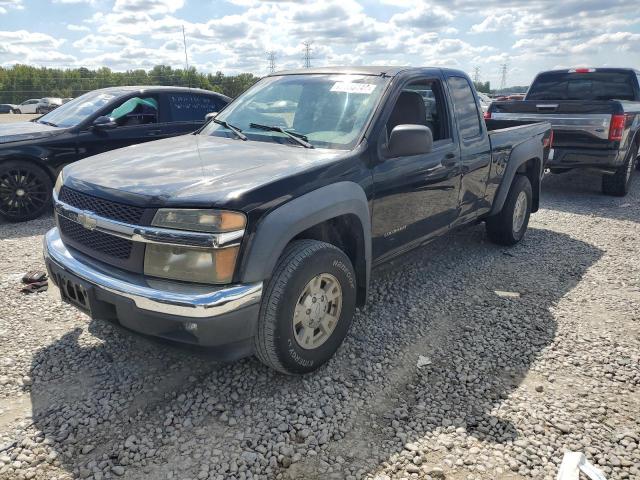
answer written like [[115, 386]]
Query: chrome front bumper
[[157, 296]]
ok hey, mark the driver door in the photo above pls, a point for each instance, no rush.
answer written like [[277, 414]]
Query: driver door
[[417, 196], [139, 119]]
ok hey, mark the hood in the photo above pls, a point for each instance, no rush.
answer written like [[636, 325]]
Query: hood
[[190, 170], [19, 131]]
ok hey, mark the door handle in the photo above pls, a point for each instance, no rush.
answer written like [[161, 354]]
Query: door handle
[[154, 133], [449, 160]]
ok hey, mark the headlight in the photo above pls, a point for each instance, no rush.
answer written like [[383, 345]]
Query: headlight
[[194, 264], [215, 221], [59, 183], [189, 264]]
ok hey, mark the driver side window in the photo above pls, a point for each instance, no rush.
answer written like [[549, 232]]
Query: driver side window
[[421, 103], [136, 111]]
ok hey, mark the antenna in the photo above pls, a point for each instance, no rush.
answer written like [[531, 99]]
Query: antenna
[[476, 74], [307, 53], [271, 57], [503, 76], [186, 57]]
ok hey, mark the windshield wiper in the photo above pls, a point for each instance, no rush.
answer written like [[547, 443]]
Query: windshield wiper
[[297, 137], [238, 133], [44, 122]]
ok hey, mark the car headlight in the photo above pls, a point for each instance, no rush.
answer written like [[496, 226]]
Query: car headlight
[[59, 183], [194, 264]]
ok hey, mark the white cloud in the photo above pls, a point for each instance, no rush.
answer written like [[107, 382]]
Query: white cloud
[[6, 5], [494, 23], [148, 6]]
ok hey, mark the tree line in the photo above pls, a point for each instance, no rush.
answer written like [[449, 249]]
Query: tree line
[[21, 82]]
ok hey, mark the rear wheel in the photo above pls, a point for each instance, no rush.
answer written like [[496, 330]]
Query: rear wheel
[[509, 226], [618, 183], [307, 308], [25, 191]]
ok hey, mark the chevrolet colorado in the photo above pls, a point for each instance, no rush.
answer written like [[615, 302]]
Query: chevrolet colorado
[[595, 116], [258, 233]]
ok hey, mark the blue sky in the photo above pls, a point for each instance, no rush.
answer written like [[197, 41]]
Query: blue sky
[[234, 35]]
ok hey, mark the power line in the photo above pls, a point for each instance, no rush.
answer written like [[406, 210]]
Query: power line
[[271, 57], [503, 76], [476, 74], [307, 53]]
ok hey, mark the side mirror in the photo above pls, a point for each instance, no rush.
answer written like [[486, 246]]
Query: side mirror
[[209, 116], [105, 123], [406, 140]]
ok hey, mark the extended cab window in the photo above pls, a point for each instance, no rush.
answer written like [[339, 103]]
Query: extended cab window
[[136, 111], [464, 105], [190, 107], [582, 86], [421, 103]]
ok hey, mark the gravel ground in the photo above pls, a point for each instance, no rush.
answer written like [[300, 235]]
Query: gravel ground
[[441, 377]]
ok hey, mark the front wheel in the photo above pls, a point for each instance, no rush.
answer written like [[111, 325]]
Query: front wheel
[[25, 191], [307, 308], [18, 111], [509, 226]]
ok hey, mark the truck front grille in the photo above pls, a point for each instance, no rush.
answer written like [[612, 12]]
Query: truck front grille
[[104, 208], [92, 240]]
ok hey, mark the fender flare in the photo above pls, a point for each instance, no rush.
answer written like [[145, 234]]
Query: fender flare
[[528, 150], [281, 225]]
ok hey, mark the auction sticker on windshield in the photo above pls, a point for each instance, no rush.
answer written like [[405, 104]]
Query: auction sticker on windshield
[[347, 87]]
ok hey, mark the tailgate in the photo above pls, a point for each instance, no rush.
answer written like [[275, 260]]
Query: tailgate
[[575, 123]]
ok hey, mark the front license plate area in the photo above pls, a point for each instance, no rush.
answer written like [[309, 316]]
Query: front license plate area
[[73, 292]]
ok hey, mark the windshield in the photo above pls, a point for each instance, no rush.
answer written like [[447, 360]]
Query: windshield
[[75, 111], [328, 111], [582, 86]]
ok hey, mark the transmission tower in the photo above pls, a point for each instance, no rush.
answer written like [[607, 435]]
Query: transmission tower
[[271, 58], [307, 54], [476, 74], [503, 76]]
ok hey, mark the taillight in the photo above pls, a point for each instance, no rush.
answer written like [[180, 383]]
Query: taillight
[[548, 142], [487, 115], [582, 70], [616, 129]]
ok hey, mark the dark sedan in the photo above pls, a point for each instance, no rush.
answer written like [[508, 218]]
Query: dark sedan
[[32, 153]]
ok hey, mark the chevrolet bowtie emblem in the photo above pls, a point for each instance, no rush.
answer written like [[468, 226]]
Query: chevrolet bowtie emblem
[[87, 220]]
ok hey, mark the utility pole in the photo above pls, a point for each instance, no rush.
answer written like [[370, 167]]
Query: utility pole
[[503, 76], [271, 58], [186, 57], [307, 54], [476, 74]]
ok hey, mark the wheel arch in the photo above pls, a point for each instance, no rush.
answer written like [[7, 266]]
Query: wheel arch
[[525, 159], [336, 214], [32, 161]]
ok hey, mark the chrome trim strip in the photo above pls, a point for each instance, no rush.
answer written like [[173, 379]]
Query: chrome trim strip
[[158, 235], [172, 298], [595, 124]]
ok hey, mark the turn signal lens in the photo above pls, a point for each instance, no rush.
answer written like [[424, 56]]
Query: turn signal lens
[[214, 221]]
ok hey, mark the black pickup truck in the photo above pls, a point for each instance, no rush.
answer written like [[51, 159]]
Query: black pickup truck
[[258, 233], [595, 116], [32, 153]]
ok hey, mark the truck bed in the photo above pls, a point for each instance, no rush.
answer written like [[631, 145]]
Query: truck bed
[[509, 133]]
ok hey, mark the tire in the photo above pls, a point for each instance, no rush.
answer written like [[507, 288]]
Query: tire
[[18, 111], [278, 341], [617, 184], [25, 191], [503, 228]]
